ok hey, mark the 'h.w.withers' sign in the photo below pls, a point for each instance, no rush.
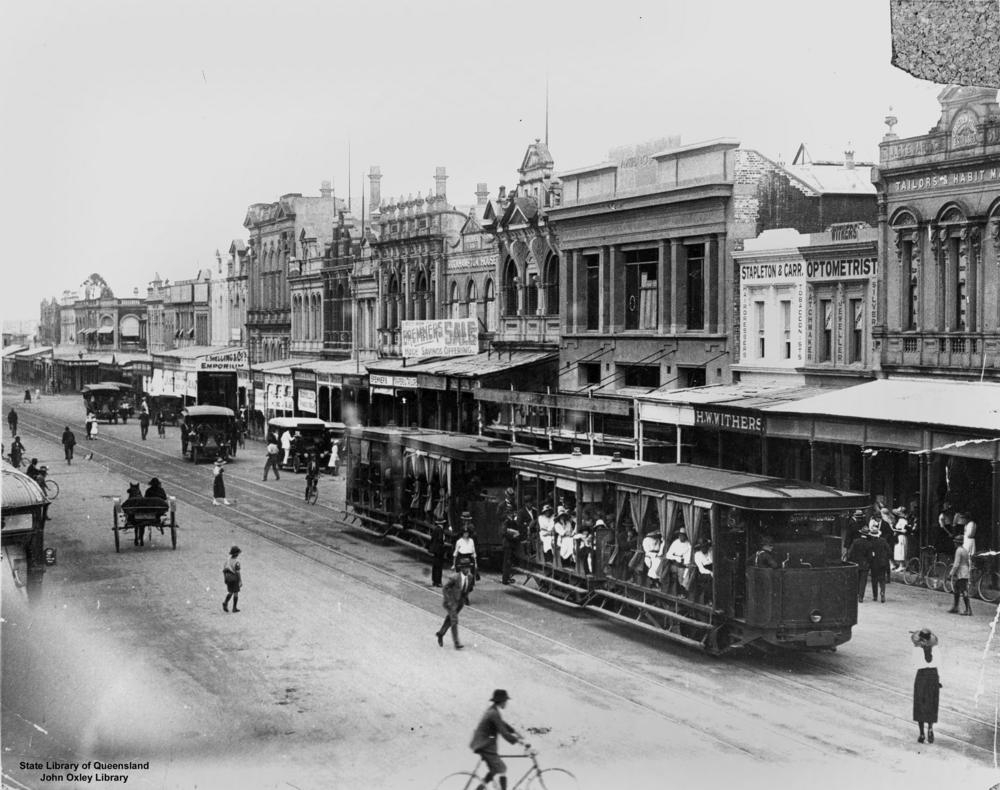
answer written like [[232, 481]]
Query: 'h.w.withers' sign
[[449, 337], [718, 420]]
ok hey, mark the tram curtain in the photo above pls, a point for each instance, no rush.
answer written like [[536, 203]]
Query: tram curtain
[[669, 519]]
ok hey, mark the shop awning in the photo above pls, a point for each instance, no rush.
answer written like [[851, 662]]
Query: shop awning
[[106, 330], [679, 407], [34, 353], [85, 332], [950, 404], [472, 366], [10, 350]]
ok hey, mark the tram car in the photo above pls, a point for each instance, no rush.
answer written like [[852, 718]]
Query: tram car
[[169, 406], [208, 433], [108, 401], [808, 601], [23, 515], [401, 480], [310, 435]]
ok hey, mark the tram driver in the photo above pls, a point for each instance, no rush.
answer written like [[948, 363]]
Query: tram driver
[[765, 557]]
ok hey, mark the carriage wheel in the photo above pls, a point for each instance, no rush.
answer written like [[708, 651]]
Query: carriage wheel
[[118, 546], [173, 535]]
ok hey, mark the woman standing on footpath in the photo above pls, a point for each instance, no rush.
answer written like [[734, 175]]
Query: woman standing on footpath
[[926, 684], [219, 484]]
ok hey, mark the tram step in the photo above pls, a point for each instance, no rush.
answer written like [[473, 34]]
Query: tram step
[[656, 610], [685, 640], [543, 579], [550, 597]]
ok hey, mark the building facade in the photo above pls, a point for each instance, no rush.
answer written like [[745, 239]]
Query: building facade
[[228, 296]]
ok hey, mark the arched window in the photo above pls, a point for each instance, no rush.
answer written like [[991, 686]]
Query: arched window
[[510, 283], [420, 298], [470, 307], [488, 311], [531, 294], [455, 305], [392, 318], [551, 285]]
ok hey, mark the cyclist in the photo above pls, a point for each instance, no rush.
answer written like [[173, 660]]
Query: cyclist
[[312, 474], [484, 739]]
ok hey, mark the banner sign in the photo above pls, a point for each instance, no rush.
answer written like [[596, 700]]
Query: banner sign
[[233, 360], [307, 401], [447, 337]]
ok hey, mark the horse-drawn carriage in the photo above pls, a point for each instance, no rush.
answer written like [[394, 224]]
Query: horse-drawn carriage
[[140, 514], [208, 433]]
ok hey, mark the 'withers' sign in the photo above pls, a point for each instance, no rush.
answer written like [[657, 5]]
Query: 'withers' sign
[[449, 337], [741, 422], [224, 360]]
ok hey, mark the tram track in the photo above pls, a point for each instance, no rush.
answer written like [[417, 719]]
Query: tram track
[[363, 570]]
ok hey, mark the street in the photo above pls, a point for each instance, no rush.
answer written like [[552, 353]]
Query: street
[[330, 676]]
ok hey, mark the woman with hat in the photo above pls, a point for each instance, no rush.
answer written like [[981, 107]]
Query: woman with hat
[[546, 531], [926, 684], [484, 739], [219, 484], [901, 529], [233, 577], [584, 539], [465, 551]]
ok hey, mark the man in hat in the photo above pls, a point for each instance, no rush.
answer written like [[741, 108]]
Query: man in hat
[[856, 528], [436, 547], [652, 549], [484, 739], [233, 576], [546, 531], [961, 570], [860, 553], [881, 559], [765, 557], [454, 597]]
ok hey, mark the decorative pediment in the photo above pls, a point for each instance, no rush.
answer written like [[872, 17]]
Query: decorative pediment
[[536, 157], [471, 225]]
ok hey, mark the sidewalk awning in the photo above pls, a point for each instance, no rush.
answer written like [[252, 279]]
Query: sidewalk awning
[[34, 353], [961, 405], [85, 332], [11, 350], [701, 405], [473, 366]]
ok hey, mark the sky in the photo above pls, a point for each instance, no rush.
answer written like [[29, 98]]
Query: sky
[[135, 135]]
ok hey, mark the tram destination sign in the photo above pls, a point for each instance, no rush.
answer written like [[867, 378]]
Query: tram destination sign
[[447, 337]]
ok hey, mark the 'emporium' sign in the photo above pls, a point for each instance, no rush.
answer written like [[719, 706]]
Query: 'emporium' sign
[[448, 337], [224, 360]]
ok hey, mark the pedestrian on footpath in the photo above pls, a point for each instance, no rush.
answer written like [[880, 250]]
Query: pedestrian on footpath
[[272, 458], [881, 560], [27, 395], [961, 570], [161, 425], [455, 596], [219, 483], [68, 442], [144, 424], [926, 684], [91, 424], [233, 577], [12, 421], [16, 452], [860, 553]]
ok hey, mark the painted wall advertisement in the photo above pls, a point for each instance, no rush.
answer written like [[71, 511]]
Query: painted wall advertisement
[[448, 337]]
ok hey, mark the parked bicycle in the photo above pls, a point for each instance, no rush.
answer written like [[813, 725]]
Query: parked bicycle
[[984, 581], [535, 778], [929, 569], [49, 487]]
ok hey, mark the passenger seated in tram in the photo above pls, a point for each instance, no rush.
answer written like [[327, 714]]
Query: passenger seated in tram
[[565, 529], [546, 531], [155, 490], [652, 547], [678, 559], [584, 539], [702, 592]]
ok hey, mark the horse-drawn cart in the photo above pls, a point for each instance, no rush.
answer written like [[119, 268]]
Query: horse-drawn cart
[[140, 513]]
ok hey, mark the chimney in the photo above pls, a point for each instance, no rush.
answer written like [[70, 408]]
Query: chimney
[[849, 157], [503, 193], [326, 189], [375, 188], [890, 121], [481, 194], [439, 179]]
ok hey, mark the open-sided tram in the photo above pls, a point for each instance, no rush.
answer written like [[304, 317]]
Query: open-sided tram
[[108, 400], [808, 602], [401, 480], [208, 433]]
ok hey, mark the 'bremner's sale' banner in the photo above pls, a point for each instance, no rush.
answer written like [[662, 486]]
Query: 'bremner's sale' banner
[[447, 337]]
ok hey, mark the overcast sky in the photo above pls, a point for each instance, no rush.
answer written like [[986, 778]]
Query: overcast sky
[[135, 134]]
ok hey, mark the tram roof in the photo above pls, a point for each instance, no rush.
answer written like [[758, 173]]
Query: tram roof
[[591, 468], [19, 490], [297, 423], [207, 411], [116, 386], [466, 447], [738, 489]]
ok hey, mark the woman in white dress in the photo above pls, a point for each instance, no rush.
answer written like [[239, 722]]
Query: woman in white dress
[[901, 529]]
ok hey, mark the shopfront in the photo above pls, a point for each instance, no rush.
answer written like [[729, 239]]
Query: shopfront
[[206, 375]]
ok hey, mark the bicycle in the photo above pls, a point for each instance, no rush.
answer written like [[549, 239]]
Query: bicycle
[[927, 569], [985, 579], [535, 778], [50, 488], [312, 491]]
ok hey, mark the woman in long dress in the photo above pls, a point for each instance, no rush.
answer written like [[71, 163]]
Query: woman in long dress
[[901, 529], [926, 684], [219, 484]]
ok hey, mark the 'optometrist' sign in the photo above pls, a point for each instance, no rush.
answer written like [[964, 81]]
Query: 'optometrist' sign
[[448, 337]]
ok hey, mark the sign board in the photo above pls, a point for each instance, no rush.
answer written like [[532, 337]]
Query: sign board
[[723, 420], [404, 382], [192, 385], [258, 399], [229, 360], [307, 401], [446, 337]]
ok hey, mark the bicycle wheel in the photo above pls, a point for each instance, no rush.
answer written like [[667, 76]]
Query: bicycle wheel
[[911, 573], [989, 586], [460, 781], [554, 779], [313, 494], [936, 575], [51, 489], [949, 584]]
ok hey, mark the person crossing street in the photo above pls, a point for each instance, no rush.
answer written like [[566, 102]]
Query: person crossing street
[[454, 593]]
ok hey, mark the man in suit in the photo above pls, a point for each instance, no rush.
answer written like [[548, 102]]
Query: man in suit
[[454, 593], [484, 739]]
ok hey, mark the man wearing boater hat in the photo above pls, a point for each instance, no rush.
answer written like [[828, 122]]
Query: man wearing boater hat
[[484, 739]]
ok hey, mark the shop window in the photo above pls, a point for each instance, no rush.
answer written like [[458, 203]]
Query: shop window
[[641, 291], [695, 286], [639, 376], [593, 267], [786, 329], [825, 352]]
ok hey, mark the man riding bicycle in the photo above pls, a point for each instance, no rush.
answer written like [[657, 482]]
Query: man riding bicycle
[[484, 739]]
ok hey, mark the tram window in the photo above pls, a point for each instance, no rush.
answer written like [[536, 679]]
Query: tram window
[[17, 522]]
